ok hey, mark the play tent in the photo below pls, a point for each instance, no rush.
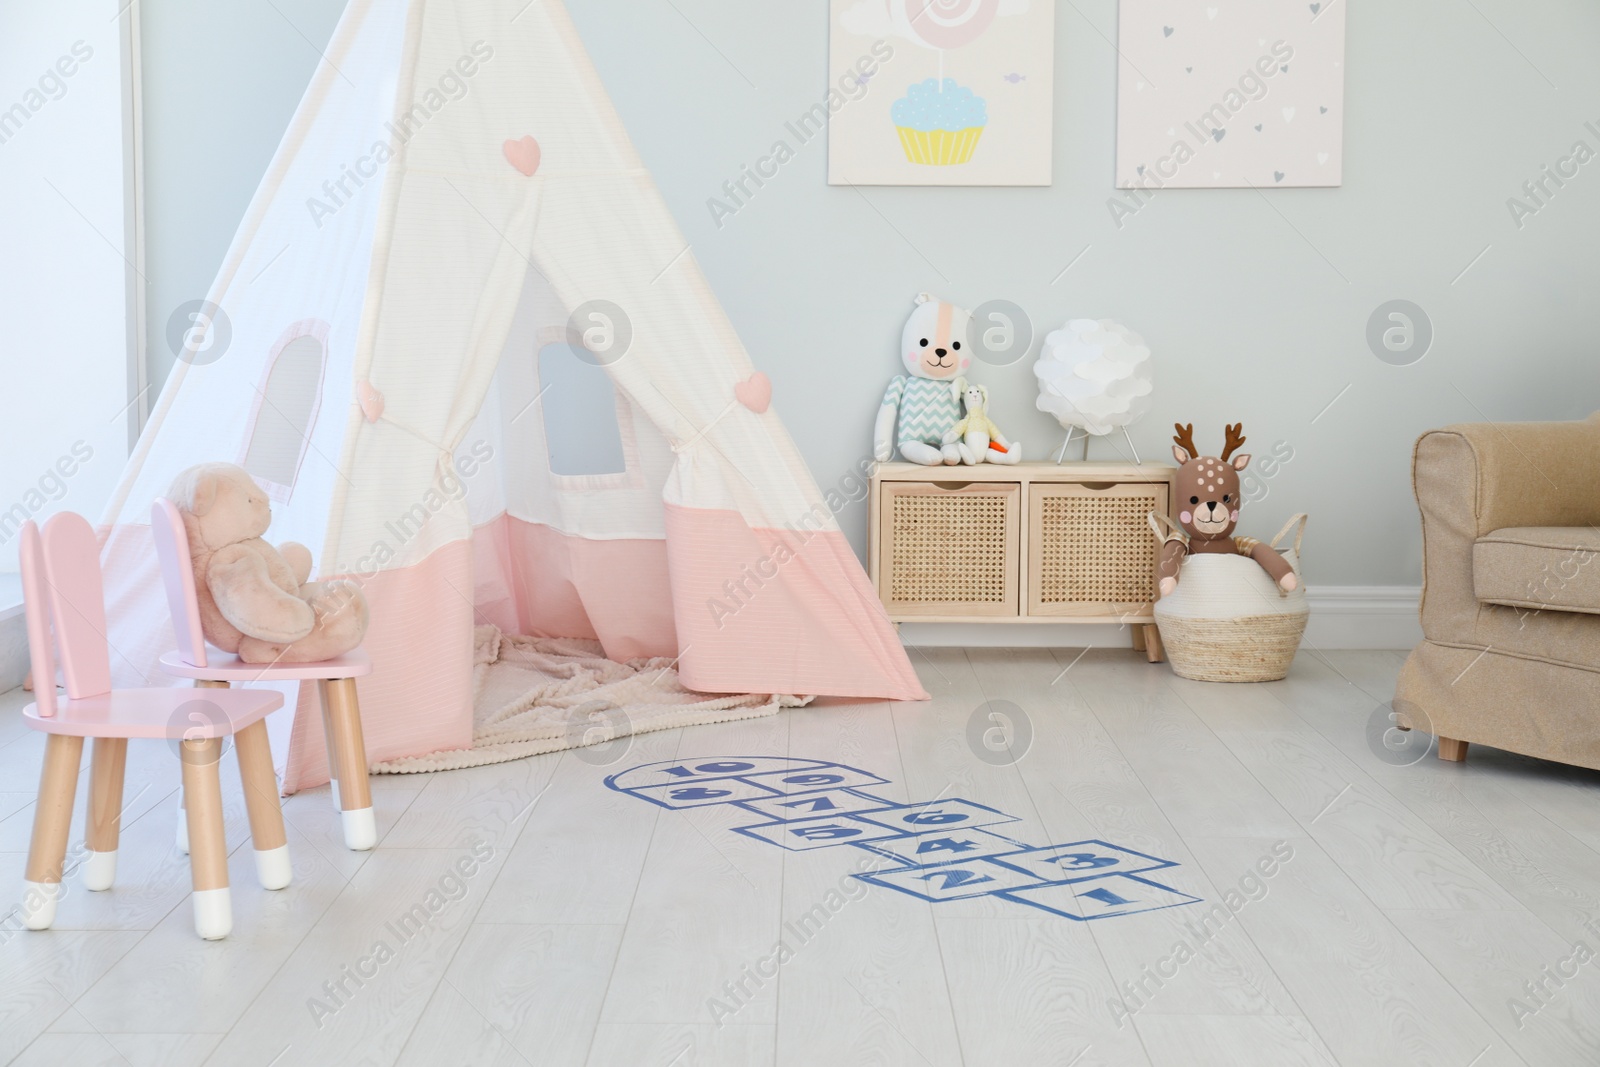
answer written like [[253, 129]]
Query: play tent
[[465, 349]]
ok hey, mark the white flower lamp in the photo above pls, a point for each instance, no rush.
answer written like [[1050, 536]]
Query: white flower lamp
[[1094, 376]]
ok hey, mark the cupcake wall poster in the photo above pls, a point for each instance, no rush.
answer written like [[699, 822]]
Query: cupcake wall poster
[[1230, 94], [940, 92]]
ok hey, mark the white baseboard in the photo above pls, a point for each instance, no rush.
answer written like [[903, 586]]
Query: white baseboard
[[1364, 616], [13, 651], [1342, 617]]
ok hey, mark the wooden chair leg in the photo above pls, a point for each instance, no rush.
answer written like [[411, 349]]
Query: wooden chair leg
[[52, 821], [182, 839], [343, 715], [103, 823], [1154, 651], [1452, 750], [328, 749], [208, 848], [262, 804]]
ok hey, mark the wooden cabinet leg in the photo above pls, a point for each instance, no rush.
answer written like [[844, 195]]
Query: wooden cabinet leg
[[1452, 750], [1153, 649], [1138, 636], [208, 847], [103, 822], [343, 714], [52, 821]]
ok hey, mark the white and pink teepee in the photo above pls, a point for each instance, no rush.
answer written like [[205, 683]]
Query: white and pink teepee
[[453, 195]]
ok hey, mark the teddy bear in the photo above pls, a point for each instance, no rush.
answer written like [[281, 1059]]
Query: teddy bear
[[254, 599], [1207, 491], [926, 405], [978, 432]]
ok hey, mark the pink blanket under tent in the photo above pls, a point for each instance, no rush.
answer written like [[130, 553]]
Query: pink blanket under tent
[[454, 199]]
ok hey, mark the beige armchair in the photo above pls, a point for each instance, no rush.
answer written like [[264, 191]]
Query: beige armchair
[[1511, 590]]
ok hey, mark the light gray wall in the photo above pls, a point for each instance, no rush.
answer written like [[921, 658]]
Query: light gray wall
[[1255, 303], [221, 82]]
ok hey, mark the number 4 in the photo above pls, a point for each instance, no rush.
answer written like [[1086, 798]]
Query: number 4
[[945, 844]]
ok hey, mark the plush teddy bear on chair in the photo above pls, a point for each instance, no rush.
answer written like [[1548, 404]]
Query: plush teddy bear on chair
[[256, 600]]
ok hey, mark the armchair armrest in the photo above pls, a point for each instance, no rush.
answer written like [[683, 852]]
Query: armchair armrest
[[1473, 479]]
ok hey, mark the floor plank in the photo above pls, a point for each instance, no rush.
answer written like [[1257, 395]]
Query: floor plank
[[1326, 903]]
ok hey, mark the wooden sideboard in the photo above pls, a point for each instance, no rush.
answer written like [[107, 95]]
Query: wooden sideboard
[[1031, 542]]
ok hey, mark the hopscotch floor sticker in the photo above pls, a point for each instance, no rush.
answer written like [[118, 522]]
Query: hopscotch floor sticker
[[936, 850]]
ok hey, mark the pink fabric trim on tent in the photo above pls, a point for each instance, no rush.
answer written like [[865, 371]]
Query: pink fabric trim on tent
[[535, 580], [779, 611], [418, 698]]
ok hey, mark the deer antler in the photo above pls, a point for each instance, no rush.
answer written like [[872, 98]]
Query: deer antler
[[1184, 438], [1235, 439]]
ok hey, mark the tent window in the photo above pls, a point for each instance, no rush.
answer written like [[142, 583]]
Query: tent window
[[286, 408], [581, 433]]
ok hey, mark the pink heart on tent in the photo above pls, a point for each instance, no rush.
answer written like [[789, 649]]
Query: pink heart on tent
[[370, 399], [755, 392], [523, 154]]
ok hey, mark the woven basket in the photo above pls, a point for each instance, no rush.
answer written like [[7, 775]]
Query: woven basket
[[1228, 621]]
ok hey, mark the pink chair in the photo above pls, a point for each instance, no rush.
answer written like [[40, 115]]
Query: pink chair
[[335, 678], [61, 586]]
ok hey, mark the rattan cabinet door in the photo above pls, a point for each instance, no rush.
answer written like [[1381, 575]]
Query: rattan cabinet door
[[949, 549], [1090, 549]]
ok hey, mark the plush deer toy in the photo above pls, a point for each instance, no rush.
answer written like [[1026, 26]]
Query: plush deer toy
[[1208, 500]]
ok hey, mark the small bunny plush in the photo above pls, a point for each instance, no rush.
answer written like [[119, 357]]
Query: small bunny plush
[[982, 438], [255, 600]]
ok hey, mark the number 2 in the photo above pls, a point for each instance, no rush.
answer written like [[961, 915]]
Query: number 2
[[952, 879]]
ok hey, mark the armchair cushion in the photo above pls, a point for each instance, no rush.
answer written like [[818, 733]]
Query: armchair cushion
[[1539, 568]]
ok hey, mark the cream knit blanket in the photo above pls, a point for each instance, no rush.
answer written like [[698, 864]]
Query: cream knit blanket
[[533, 695]]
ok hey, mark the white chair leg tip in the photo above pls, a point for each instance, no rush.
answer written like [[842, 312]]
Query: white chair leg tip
[[360, 829], [273, 867], [213, 913], [39, 904], [100, 871]]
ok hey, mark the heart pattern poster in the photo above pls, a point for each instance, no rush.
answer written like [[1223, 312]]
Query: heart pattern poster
[[1230, 94], [938, 92]]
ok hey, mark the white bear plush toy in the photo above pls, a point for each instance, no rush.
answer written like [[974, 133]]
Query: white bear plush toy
[[927, 404]]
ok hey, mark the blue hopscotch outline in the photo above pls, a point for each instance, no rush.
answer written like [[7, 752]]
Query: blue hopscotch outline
[[1010, 894], [879, 804], [889, 851], [691, 780], [1156, 862], [750, 778]]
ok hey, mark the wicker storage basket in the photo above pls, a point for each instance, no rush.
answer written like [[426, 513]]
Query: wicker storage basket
[[1228, 621]]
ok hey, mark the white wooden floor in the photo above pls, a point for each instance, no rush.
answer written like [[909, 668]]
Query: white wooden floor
[[1417, 904]]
